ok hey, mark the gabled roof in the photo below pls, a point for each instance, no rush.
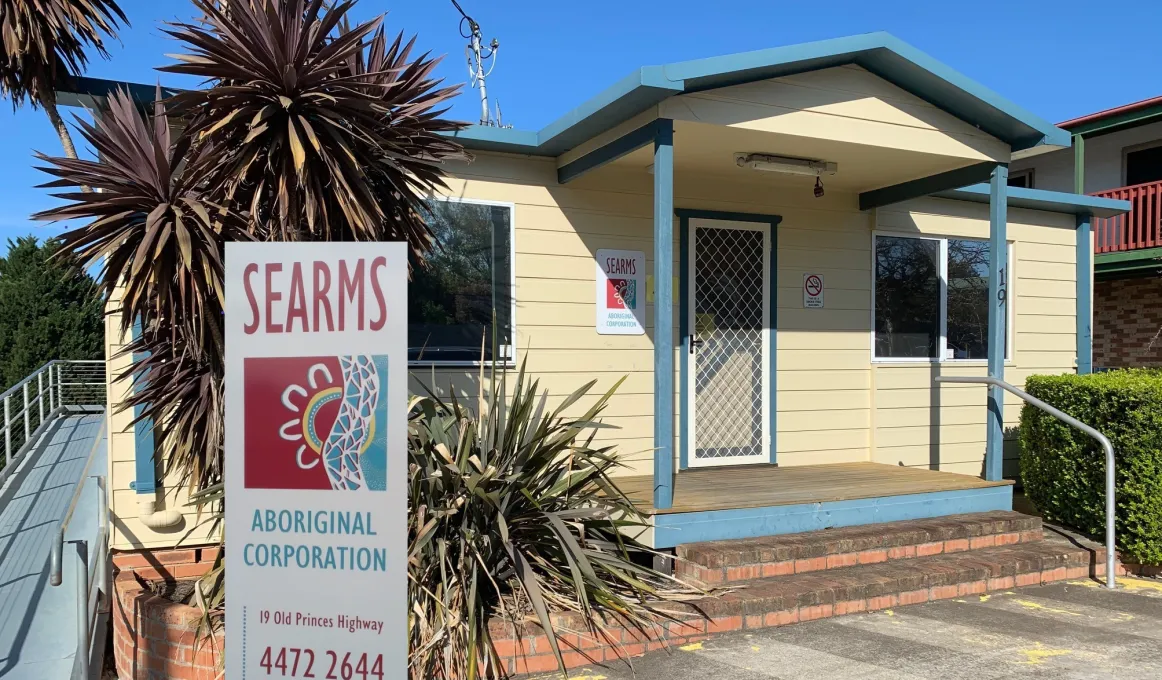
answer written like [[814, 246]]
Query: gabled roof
[[1118, 118], [880, 53]]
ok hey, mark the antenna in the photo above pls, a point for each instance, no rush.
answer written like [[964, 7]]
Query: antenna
[[476, 56]]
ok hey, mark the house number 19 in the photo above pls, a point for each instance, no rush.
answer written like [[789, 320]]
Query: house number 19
[[1001, 288]]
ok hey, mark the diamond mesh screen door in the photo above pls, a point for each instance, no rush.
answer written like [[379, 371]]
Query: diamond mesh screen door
[[731, 364]]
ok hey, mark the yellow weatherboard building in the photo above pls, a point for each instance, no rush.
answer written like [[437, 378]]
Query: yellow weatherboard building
[[824, 228]]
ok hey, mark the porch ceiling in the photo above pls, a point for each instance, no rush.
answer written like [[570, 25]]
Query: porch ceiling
[[709, 149]]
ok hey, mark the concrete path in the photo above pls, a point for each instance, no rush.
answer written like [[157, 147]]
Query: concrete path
[[38, 622], [1067, 630]]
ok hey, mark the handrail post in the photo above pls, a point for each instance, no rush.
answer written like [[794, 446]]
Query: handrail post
[[40, 397], [27, 429], [83, 610], [7, 432], [1074, 422], [50, 400]]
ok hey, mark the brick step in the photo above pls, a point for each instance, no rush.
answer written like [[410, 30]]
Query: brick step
[[782, 600], [718, 563]]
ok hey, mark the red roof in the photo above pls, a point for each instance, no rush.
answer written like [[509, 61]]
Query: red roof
[[1109, 113]]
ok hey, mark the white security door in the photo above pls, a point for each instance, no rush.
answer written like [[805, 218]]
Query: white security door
[[730, 317]]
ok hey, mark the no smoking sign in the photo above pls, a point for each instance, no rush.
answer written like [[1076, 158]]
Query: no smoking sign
[[813, 291]]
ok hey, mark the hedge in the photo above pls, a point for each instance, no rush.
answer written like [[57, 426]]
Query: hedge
[[1063, 470]]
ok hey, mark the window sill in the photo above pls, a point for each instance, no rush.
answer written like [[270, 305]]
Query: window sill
[[930, 362], [421, 363]]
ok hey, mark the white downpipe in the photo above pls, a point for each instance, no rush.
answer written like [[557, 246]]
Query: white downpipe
[[153, 518]]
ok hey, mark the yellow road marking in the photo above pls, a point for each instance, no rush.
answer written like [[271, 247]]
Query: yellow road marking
[[692, 647], [1036, 655], [1125, 583], [985, 598], [1036, 605]]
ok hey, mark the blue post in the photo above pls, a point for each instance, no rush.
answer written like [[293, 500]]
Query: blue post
[[144, 445], [998, 316], [685, 329], [1084, 295], [663, 314]]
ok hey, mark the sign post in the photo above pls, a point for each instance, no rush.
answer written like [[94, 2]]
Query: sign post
[[621, 292], [316, 460]]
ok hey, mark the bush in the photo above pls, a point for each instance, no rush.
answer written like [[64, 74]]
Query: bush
[[1063, 469]]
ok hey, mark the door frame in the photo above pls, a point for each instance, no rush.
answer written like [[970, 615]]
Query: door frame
[[769, 225]]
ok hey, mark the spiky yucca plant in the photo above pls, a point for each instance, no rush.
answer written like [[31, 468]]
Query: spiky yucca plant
[[307, 131], [512, 513]]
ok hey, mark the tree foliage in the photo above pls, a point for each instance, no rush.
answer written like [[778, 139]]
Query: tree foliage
[[48, 310]]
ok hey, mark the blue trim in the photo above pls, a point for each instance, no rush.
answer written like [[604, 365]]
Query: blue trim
[[687, 213], [1084, 295], [944, 181], [624, 100], [684, 284], [144, 444], [999, 283], [663, 314], [487, 138], [773, 287], [719, 525], [622, 146], [1039, 199]]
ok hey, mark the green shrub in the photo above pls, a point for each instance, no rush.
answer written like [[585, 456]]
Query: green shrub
[[1063, 469]]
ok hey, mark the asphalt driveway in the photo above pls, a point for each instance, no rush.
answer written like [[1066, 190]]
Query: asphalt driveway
[[1068, 630]]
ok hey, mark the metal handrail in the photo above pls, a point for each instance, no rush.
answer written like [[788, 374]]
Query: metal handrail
[[49, 383], [87, 604], [1068, 420]]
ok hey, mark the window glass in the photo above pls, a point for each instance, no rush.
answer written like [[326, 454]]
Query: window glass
[[968, 299], [465, 280], [907, 304]]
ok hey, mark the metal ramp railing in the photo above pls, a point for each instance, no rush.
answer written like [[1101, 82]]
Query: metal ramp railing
[[53, 431], [1111, 557]]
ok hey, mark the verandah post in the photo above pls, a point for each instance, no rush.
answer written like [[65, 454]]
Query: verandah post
[[1084, 295], [663, 314], [998, 318]]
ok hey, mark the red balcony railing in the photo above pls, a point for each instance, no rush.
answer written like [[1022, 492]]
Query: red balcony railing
[[1139, 228]]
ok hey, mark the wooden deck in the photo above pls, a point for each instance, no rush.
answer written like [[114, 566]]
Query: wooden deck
[[754, 486]]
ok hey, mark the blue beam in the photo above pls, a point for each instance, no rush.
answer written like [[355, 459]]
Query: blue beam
[[676, 528], [1039, 199], [1084, 295], [945, 181], [998, 308], [622, 146], [663, 313]]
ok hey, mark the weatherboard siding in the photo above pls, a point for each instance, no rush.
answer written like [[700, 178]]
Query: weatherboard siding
[[126, 531], [951, 436], [844, 104]]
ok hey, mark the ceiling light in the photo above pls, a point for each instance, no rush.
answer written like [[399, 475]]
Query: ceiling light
[[785, 164]]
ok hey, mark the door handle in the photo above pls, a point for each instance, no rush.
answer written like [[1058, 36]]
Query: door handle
[[694, 342]]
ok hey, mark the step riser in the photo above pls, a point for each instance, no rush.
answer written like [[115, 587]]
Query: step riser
[[706, 577], [716, 564], [785, 601]]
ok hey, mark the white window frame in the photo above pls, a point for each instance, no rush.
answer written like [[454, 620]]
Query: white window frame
[[507, 352], [942, 343]]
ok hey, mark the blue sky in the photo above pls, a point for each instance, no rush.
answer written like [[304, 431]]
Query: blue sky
[[1059, 59]]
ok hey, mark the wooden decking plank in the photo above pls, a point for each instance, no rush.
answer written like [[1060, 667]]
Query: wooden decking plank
[[762, 485]]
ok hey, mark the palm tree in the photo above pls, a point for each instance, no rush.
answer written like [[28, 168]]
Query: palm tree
[[308, 131], [44, 43]]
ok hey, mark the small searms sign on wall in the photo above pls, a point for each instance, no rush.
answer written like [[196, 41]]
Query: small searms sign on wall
[[621, 292], [316, 460]]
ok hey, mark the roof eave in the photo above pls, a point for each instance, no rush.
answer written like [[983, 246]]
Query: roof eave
[[1039, 199]]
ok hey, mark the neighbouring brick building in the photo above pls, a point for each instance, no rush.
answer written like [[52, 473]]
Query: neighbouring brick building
[[1127, 322]]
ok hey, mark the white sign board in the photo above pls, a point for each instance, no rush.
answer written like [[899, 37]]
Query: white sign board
[[621, 292], [813, 291], [316, 460]]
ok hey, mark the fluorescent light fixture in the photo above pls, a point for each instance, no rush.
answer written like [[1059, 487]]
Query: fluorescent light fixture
[[787, 165]]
